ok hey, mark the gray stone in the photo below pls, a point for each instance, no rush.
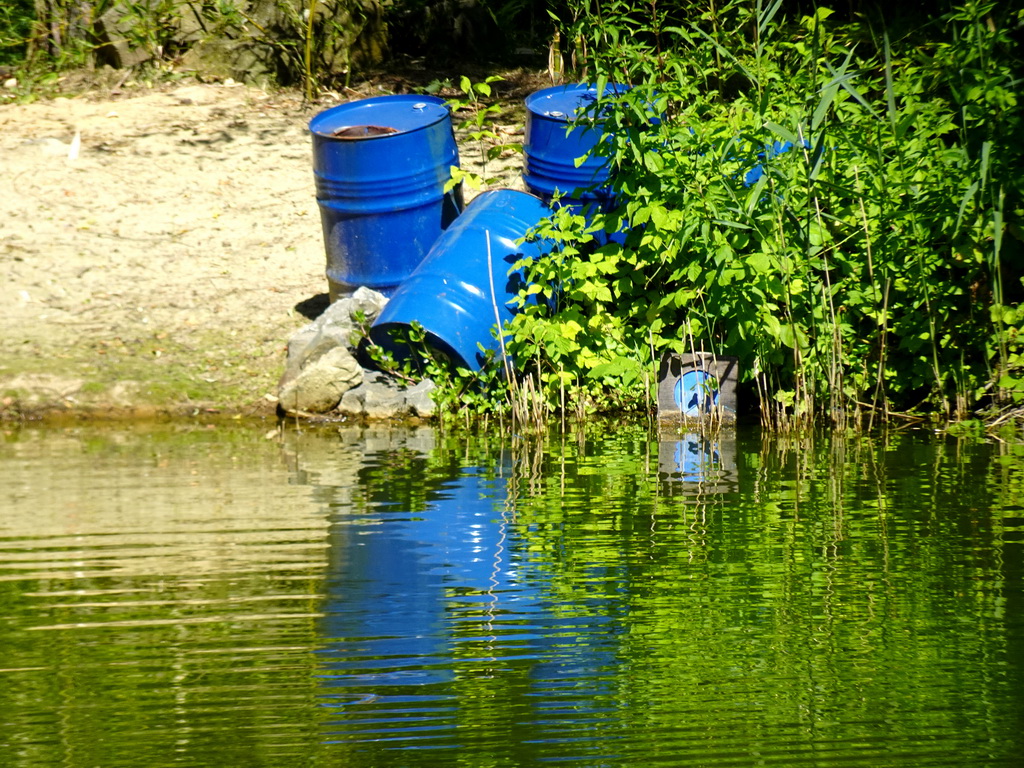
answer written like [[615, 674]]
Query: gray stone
[[300, 339], [381, 397], [376, 398], [352, 402], [384, 404], [420, 400], [365, 300], [322, 341], [319, 375], [320, 385], [334, 328], [115, 32]]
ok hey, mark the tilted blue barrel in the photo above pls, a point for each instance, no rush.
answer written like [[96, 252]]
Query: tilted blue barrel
[[381, 165], [552, 149], [461, 291]]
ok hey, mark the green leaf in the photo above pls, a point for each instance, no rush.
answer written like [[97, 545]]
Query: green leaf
[[659, 216], [760, 262], [827, 97], [784, 133], [570, 329], [653, 162], [890, 95], [843, 81], [986, 150], [968, 195]]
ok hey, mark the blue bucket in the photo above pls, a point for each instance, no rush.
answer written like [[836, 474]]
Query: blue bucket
[[552, 149], [381, 165], [460, 292], [696, 393]]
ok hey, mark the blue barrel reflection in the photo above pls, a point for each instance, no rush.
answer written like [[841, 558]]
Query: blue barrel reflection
[[419, 601], [381, 166], [395, 575]]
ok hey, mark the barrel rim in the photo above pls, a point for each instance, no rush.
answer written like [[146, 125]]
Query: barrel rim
[[333, 112], [532, 100]]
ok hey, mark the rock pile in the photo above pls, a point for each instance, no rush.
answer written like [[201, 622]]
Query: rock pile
[[323, 373]]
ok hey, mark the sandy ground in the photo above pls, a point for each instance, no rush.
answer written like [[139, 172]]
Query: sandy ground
[[158, 248]]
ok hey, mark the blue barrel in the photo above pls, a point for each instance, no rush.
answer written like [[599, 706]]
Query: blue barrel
[[450, 293], [751, 177], [551, 148], [381, 165]]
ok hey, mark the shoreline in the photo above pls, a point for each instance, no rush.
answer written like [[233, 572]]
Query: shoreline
[[159, 247]]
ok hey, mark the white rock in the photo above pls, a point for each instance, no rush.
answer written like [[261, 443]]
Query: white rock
[[320, 385]]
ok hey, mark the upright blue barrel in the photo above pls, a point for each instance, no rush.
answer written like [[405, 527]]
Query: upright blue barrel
[[552, 149], [381, 165], [461, 292]]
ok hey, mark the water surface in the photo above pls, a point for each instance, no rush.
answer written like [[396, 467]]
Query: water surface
[[191, 595]]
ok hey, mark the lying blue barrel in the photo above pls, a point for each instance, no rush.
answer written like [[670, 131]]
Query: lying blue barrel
[[380, 166], [463, 288]]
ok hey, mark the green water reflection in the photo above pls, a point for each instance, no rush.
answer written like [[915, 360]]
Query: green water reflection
[[391, 597]]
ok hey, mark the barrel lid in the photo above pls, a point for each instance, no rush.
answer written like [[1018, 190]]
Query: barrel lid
[[379, 116], [567, 102]]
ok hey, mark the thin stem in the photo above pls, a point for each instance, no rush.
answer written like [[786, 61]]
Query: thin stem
[[307, 60]]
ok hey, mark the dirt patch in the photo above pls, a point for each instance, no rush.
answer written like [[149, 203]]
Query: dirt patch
[[158, 249]]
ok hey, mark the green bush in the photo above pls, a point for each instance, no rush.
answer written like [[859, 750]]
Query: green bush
[[867, 270], [17, 18]]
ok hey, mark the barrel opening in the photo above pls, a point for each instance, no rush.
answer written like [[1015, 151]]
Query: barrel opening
[[363, 131]]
